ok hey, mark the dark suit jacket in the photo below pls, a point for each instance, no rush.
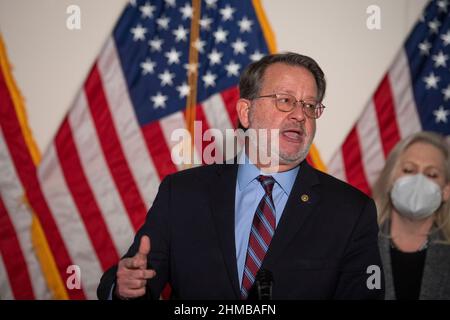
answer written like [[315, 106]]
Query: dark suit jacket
[[321, 248]]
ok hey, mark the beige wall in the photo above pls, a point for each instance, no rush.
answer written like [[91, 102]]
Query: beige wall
[[50, 61]]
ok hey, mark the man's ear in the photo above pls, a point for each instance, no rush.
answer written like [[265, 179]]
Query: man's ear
[[446, 192], [242, 108]]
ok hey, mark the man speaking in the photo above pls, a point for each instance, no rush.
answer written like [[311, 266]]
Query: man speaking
[[212, 228]]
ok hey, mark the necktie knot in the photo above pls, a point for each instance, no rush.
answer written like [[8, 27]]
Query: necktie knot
[[267, 182]]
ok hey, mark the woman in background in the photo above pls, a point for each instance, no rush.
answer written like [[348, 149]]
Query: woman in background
[[412, 196]]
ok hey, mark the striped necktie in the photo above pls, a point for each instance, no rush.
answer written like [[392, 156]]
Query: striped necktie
[[261, 233]]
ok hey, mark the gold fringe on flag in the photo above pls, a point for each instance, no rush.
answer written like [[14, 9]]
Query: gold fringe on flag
[[264, 23], [270, 39], [40, 244]]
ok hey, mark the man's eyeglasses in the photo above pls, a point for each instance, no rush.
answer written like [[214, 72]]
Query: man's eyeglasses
[[286, 103]]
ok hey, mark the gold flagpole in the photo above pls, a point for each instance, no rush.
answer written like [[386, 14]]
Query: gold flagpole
[[192, 78]]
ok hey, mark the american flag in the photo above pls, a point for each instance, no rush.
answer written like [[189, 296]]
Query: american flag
[[414, 95], [21, 275], [90, 192]]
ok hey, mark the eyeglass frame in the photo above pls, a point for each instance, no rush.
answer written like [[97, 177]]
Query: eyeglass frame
[[276, 96]]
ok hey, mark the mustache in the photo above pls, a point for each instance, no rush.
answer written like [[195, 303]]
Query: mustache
[[300, 128]]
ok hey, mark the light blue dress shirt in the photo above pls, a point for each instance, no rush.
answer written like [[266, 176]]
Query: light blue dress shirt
[[249, 193]]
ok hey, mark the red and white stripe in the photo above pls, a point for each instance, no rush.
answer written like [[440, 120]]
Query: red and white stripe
[[108, 136], [371, 149], [389, 116], [71, 225], [100, 181], [95, 183], [6, 292], [336, 166], [20, 272], [406, 113], [217, 117], [103, 169], [168, 125], [131, 137]]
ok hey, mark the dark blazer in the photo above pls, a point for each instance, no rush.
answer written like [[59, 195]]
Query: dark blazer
[[436, 272], [321, 249]]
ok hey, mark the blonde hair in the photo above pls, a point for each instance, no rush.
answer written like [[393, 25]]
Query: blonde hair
[[383, 185]]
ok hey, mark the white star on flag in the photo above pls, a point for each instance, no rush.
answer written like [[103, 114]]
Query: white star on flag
[[232, 69], [166, 78], [191, 67], [441, 114], [155, 44], [425, 47], [431, 81], [163, 22], [187, 11], [440, 59], [245, 25], [215, 57], [205, 23], [442, 5], [159, 100], [227, 13], [446, 38], [147, 10], [170, 3], [209, 79], [220, 35], [434, 25], [211, 3], [138, 32], [446, 93], [184, 90], [256, 56], [173, 56], [239, 46], [199, 44], [148, 66], [180, 33]]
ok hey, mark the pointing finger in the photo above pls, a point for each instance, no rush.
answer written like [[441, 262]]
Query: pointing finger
[[144, 246]]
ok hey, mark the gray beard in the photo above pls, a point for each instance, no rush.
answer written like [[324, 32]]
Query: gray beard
[[298, 157]]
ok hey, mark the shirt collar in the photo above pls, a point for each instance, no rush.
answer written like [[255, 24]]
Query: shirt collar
[[247, 172]]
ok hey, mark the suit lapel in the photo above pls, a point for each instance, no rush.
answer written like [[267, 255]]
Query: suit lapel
[[429, 277], [300, 205], [434, 282], [222, 193], [384, 244]]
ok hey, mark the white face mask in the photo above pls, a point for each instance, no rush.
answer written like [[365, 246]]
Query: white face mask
[[416, 196]]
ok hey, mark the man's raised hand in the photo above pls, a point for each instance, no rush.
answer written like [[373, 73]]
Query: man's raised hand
[[132, 273]]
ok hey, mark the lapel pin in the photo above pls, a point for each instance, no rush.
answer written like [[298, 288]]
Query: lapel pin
[[304, 197]]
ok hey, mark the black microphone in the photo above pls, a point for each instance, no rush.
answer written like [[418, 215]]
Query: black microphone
[[264, 283]]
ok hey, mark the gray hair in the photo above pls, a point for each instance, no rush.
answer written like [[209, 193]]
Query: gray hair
[[384, 183], [252, 77]]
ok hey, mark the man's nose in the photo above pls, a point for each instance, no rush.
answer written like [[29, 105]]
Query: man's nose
[[298, 112]]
